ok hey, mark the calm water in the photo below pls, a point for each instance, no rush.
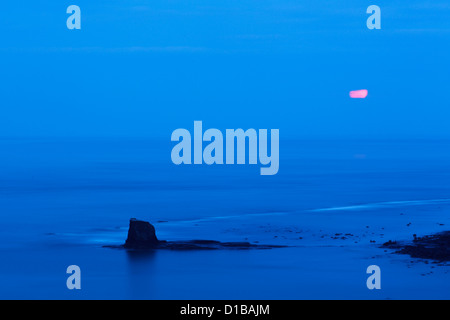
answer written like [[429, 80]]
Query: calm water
[[61, 199]]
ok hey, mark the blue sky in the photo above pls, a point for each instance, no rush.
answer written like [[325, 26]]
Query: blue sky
[[145, 68]]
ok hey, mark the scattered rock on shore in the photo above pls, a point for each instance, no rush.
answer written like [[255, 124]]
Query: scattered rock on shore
[[434, 247]]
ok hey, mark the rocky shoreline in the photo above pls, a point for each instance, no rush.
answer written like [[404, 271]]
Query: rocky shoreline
[[433, 247], [142, 236]]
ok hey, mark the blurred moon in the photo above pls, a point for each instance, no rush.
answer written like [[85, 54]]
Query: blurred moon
[[359, 94]]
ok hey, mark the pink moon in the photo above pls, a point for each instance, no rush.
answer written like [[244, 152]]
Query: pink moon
[[359, 94]]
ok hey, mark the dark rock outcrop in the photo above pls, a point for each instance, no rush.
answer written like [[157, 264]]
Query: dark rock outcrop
[[142, 235], [435, 247]]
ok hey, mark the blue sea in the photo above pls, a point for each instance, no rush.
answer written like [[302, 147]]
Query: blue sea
[[63, 199]]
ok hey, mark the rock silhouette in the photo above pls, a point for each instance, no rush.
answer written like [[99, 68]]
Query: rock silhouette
[[435, 247], [142, 236]]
